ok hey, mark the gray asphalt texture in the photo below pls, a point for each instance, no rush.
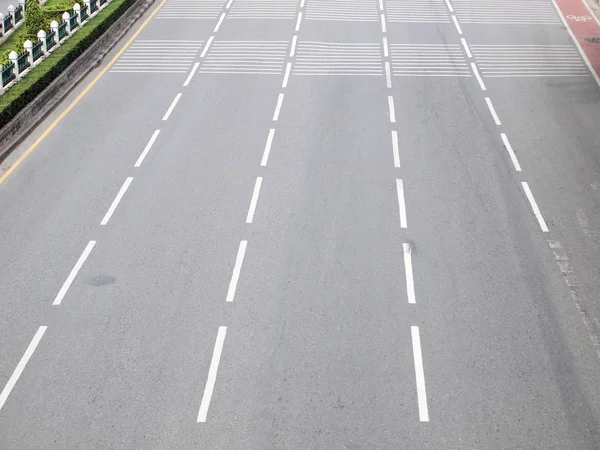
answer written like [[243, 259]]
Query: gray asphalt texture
[[318, 352]]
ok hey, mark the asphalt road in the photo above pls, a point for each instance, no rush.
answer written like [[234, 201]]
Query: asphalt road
[[311, 225]]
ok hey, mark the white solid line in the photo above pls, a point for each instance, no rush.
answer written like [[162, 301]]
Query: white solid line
[[419, 375], [388, 75], [534, 206], [410, 282], [492, 111], [450, 6], [191, 75], [288, 67], [401, 204], [511, 152], [392, 111], [212, 374], [219, 23], [236, 271], [73, 274], [116, 201], [149, 145], [385, 47], [395, 148], [298, 21], [293, 49], [456, 24], [581, 52], [278, 107], [254, 200], [206, 47], [229, 4], [172, 107], [476, 72], [383, 28], [265, 156], [467, 50], [21, 365]]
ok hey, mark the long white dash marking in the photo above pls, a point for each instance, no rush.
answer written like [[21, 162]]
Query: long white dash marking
[[401, 203], [476, 72], [456, 24], [419, 374], [229, 4], [278, 107], [392, 109], [293, 49], [466, 47], [191, 75], [288, 68], [410, 282], [395, 148], [254, 200], [172, 107], [380, 5], [383, 27], [67, 284], [116, 201], [388, 75], [149, 145], [219, 23], [302, 3], [265, 156], [206, 47], [237, 268], [298, 21], [534, 206], [37, 337], [511, 152], [492, 111], [386, 52], [449, 6], [212, 374]]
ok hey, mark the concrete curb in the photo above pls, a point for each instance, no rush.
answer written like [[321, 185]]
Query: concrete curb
[[33, 114]]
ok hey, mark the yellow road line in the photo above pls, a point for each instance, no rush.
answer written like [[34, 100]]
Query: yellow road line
[[79, 97]]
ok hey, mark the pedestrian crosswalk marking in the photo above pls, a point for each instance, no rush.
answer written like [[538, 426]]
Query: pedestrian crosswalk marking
[[417, 11], [158, 56], [263, 9], [342, 10], [529, 60], [442, 60], [245, 57], [338, 58], [190, 9]]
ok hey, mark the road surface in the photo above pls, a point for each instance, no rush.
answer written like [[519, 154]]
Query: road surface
[[302, 224]]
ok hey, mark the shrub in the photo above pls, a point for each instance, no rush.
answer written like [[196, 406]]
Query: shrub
[[23, 92], [34, 19]]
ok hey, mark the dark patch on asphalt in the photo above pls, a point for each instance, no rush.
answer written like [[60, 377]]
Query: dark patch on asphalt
[[102, 280]]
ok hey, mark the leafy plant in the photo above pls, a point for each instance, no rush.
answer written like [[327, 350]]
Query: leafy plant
[[34, 19]]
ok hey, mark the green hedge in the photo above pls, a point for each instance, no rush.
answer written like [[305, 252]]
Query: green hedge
[[23, 92]]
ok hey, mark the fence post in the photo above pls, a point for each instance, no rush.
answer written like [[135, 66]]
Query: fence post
[[28, 46], [13, 57], [22, 4], [77, 12], [66, 17], [2, 24], [87, 8], [11, 12], [42, 37], [54, 28]]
